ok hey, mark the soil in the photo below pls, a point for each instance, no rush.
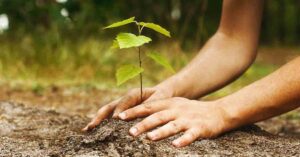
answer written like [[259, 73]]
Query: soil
[[26, 131], [86, 102], [65, 99]]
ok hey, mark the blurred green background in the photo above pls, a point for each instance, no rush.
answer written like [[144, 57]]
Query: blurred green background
[[46, 42]]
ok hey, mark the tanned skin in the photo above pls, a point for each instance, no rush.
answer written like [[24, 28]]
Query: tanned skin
[[172, 105]]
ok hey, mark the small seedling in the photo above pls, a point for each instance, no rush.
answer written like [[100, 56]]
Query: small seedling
[[129, 40]]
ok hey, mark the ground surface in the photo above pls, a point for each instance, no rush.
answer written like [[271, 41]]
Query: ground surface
[[35, 132], [61, 109], [86, 102]]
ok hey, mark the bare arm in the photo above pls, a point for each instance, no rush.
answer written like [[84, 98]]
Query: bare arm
[[225, 56], [228, 53], [268, 97]]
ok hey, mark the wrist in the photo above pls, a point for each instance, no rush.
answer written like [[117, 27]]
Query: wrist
[[166, 89], [233, 117], [170, 86]]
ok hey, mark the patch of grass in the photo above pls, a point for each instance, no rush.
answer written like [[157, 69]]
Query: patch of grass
[[39, 62], [34, 62]]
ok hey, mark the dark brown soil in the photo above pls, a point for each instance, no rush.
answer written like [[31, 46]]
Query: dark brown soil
[[34, 132]]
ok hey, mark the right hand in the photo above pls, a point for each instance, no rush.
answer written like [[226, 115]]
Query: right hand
[[131, 99]]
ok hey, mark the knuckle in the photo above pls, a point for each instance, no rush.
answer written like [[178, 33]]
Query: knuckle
[[160, 117], [184, 123], [193, 134], [175, 126], [147, 106]]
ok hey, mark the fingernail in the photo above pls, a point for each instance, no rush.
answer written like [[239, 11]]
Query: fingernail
[[87, 128], [115, 115], [84, 129], [152, 136], [176, 143], [122, 115], [134, 131]]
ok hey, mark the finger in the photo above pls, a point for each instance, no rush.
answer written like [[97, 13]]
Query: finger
[[152, 121], [167, 130], [132, 98], [102, 113], [144, 109], [124, 103], [187, 138]]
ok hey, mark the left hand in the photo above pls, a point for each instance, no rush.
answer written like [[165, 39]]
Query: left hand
[[197, 119]]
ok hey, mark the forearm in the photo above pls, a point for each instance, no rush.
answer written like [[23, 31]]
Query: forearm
[[268, 97], [220, 61], [225, 56]]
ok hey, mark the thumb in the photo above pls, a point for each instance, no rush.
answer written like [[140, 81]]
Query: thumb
[[132, 98]]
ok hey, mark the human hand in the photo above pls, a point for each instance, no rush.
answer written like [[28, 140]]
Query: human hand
[[131, 99], [197, 119]]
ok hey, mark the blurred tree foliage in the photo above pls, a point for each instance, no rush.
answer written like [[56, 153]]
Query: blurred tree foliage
[[191, 22]]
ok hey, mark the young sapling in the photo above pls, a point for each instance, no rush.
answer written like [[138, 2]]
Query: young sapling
[[130, 40]]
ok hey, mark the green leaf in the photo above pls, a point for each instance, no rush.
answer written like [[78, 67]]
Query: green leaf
[[158, 58], [121, 23], [156, 28], [128, 40], [127, 72]]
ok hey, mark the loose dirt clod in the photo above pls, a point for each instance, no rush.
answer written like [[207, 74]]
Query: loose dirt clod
[[32, 132]]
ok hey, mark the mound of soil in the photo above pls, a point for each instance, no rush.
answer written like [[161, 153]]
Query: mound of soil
[[33, 132]]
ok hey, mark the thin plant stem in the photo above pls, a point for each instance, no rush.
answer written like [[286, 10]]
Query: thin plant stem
[[140, 63], [141, 75]]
